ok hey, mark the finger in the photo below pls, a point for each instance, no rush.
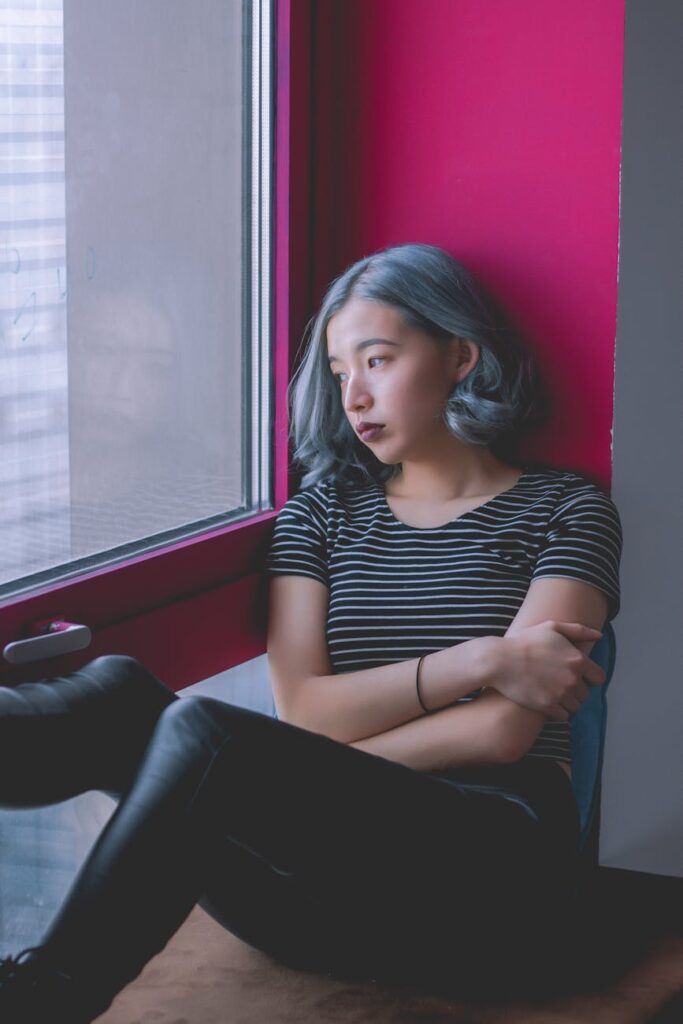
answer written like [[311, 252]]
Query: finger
[[570, 705], [592, 673], [581, 692], [558, 714], [576, 630]]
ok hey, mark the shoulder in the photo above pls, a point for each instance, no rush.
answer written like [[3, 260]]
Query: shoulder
[[583, 536], [310, 505], [322, 507], [582, 496], [569, 488], [580, 513], [323, 500]]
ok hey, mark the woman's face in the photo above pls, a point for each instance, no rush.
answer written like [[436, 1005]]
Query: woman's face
[[400, 378]]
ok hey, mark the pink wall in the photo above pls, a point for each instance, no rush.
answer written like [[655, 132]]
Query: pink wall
[[492, 129]]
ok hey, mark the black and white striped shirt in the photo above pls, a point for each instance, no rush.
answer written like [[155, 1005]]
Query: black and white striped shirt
[[398, 591]]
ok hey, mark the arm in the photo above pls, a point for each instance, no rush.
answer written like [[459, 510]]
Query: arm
[[472, 733], [492, 728], [562, 600], [353, 705], [576, 579]]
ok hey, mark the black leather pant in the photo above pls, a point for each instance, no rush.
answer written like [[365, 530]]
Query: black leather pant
[[323, 856]]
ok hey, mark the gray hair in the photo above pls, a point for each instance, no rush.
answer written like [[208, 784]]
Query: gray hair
[[434, 293]]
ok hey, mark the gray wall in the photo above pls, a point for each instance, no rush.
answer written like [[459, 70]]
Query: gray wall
[[642, 803]]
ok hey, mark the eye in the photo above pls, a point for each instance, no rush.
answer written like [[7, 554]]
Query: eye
[[372, 359]]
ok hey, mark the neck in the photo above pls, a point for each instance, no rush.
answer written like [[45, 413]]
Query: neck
[[471, 475]]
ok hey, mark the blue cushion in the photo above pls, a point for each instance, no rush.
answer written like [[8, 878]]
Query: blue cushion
[[588, 728]]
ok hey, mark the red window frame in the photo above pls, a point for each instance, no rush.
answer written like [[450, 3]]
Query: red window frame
[[197, 607]]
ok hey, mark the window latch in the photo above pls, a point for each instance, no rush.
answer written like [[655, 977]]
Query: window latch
[[49, 638]]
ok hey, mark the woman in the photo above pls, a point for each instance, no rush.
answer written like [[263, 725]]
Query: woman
[[432, 606]]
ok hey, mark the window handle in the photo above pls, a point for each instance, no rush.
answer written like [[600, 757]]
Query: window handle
[[50, 638]]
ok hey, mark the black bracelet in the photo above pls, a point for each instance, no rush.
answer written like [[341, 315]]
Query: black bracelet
[[417, 685]]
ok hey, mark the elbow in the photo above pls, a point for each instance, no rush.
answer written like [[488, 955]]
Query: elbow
[[513, 744], [517, 731], [306, 717], [295, 706], [293, 715], [289, 719], [508, 731], [297, 716], [510, 754]]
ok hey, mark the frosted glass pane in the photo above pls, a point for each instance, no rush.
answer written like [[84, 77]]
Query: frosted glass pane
[[124, 246]]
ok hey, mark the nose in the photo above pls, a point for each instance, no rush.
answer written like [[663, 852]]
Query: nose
[[356, 396]]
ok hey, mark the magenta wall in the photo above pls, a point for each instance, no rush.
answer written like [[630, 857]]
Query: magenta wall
[[492, 129]]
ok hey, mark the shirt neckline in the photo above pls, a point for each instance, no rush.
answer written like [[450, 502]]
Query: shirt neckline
[[526, 472]]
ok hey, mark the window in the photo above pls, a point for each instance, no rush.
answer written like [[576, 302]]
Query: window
[[135, 370]]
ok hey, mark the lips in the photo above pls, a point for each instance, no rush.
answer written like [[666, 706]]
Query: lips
[[369, 431]]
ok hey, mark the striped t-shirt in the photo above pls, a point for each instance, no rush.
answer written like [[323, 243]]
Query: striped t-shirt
[[398, 591]]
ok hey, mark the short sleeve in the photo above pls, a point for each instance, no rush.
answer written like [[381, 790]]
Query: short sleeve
[[584, 542], [299, 543]]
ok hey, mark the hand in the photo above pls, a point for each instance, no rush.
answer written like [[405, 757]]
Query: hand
[[541, 668]]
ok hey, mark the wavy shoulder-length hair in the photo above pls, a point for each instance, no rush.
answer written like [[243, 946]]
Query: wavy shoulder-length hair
[[499, 399]]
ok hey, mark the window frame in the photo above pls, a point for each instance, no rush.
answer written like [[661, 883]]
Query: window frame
[[197, 606]]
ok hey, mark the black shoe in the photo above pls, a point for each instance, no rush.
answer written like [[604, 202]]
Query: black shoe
[[34, 992]]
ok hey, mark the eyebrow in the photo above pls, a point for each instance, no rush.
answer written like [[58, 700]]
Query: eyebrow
[[366, 344]]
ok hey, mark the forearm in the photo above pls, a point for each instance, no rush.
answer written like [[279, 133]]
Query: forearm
[[471, 733], [355, 705], [522, 725]]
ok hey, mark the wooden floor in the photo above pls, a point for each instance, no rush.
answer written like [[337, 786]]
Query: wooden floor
[[205, 975], [627, 966]]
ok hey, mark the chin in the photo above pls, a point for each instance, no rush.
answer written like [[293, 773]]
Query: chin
[[386, 460]]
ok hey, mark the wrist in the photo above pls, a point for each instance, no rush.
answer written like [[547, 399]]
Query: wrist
[[488, 660], [451, 673]]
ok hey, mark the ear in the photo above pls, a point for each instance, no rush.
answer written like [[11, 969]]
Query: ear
[[465, 358]]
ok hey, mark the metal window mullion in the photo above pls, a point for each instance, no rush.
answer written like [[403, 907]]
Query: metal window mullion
[[260, 253]]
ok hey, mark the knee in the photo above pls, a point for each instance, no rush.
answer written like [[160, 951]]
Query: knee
[[196, 709], [123, 672], [122, 666], [192, 724], [206, 718]]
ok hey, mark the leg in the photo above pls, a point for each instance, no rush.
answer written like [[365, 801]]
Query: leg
[[383, 867], [87, 730], [372, 869]]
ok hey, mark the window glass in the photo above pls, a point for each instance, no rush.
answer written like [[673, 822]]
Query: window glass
[[132, 387]]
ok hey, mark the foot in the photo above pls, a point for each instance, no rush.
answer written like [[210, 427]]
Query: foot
[[33, 991]]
